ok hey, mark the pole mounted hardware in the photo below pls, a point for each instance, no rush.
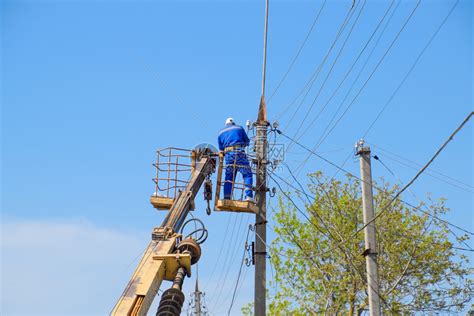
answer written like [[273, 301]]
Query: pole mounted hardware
[[370, 251]]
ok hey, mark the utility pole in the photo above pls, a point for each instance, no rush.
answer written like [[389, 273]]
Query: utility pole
[[370, 251], [261, 192], [197, 301], [261, 216]]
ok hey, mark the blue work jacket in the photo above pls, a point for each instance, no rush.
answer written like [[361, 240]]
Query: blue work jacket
[[232, 135]]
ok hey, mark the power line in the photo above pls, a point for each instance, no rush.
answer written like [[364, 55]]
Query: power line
[[324, 134], [406, 186], [228, 295], [240, 271], [387, 154], [298, 209], [427, 172], [244, 277], [331, 68], [372, 73], [221, 246], [347, 253], [411, 69], [231, 255], [436, 154], [425, 241], [299, 52], [317, 70], [216, 264], [339, 246], [354, 63], [223, 267], [415, 208], [318, 143], [298, 182], [394, 175]]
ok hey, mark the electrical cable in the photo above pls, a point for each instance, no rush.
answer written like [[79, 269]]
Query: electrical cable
[[435, 155], [427, 172], [411, 69], [371, 74], [361, 275], [220, 249], [387, 154], [415, 208], [242, 241], [231, 252], [316, 72], [226, 257], [330, 69], [354, 63], [273, 249], [325, 135], [344, 240], [408, 184], [424, 241], [240, 272], [395, 176], [320, 254], [357, 77], [299, 51]]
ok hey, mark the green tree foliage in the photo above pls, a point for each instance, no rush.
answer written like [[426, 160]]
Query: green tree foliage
[[319, 266]]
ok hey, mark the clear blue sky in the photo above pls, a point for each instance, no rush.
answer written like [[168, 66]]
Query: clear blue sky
[[90, 89]]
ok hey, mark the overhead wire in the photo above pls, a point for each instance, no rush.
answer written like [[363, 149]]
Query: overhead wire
[[240, 272], [222, 267], [411, 68], [244, 277], [427, 173], [346, 75], [221, 247], [407, 185], [330, 69], [395, 176], [469, 249], [245, 272], [323, 137], [416, 208], [225, 271], [307, 87], [349, 256], [436, 154], [361, 70], [333, 248], [390, 155], [300, 49], [328, 128], [247, 224]]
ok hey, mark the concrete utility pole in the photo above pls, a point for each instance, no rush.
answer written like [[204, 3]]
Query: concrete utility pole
[[197, 300], [370, 251], [261, 192], [261, 216]]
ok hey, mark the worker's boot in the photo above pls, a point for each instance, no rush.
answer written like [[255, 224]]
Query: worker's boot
[[249, 199]]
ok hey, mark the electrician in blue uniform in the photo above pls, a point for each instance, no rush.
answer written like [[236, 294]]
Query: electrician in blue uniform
[[232, 140]]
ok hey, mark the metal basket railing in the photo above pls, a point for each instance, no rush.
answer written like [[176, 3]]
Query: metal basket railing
[[173, 169], [237, 184]]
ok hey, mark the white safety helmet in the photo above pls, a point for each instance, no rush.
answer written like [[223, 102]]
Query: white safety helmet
[[230, 121]]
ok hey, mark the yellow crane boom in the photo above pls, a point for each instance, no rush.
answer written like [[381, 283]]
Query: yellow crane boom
[[168, 256]]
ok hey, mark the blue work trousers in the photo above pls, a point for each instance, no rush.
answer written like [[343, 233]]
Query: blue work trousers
[[239, 159]]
